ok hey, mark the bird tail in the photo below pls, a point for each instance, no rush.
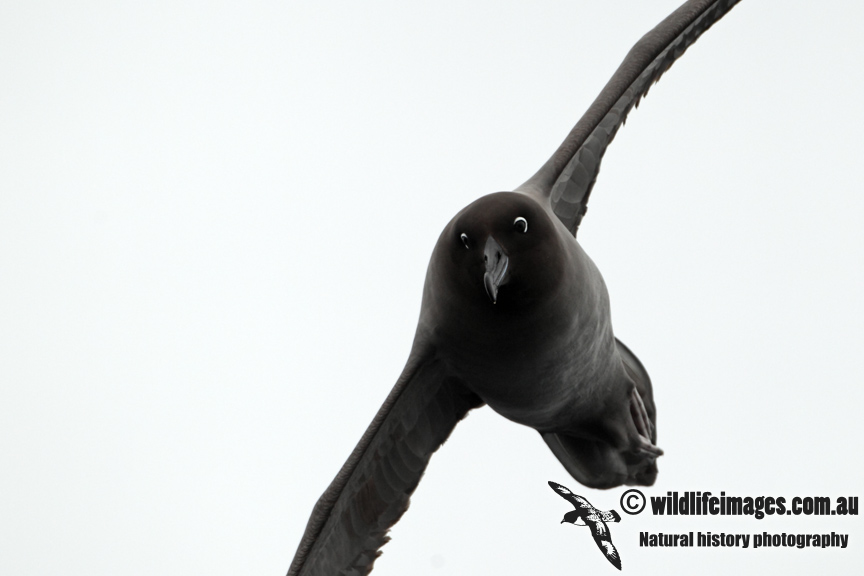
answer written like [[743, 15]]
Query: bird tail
[[600, 464]]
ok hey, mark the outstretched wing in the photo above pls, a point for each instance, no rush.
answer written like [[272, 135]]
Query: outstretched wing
[[350, 521], [603, 538], [568, 176], [576, 500]]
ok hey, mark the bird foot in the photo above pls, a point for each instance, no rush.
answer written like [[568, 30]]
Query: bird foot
[[644, 426]]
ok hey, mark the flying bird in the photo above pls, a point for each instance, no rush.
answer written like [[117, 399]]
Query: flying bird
[[587, 515], [515, 315]]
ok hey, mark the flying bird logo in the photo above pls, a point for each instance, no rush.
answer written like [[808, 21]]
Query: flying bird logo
[[586, 514]]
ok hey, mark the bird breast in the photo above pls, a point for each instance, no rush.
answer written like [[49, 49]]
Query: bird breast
[[542, 367]]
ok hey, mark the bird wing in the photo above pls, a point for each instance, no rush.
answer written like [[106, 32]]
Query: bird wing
[[568, 176], [610, 516], [575, 499], [350, 521], [603, 538]]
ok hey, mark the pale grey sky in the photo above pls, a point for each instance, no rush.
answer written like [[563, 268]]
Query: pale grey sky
[[215, 223]]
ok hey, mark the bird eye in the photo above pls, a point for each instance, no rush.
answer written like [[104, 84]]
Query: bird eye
[[521, 224], [464, 238]]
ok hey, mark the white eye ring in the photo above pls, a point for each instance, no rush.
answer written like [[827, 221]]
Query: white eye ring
[[521, 224], [464, 238]]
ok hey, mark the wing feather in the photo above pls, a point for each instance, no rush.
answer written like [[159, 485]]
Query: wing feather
[[575, 499], [350, 521], [603, 538], [569, 175]]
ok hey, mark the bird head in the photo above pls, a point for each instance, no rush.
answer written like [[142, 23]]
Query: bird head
[[501, 251], [573, 517]]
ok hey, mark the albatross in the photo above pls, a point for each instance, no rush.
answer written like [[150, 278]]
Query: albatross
[[514, 315]]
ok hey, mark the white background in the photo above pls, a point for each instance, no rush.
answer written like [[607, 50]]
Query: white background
[[215, 220]]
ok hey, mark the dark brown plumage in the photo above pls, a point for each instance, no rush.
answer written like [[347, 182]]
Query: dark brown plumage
[[514, 315]]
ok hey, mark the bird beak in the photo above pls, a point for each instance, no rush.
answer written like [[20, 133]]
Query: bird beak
[[496, 268]]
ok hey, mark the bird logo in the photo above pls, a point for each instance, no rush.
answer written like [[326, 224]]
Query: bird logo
[[586, 514]]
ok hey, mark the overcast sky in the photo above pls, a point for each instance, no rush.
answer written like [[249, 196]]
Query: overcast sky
[[215, 222]]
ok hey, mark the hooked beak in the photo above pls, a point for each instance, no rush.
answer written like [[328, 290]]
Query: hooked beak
[[496, 268]]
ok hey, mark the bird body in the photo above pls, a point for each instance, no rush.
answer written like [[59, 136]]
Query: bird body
[[546, 346], [542, 352]]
